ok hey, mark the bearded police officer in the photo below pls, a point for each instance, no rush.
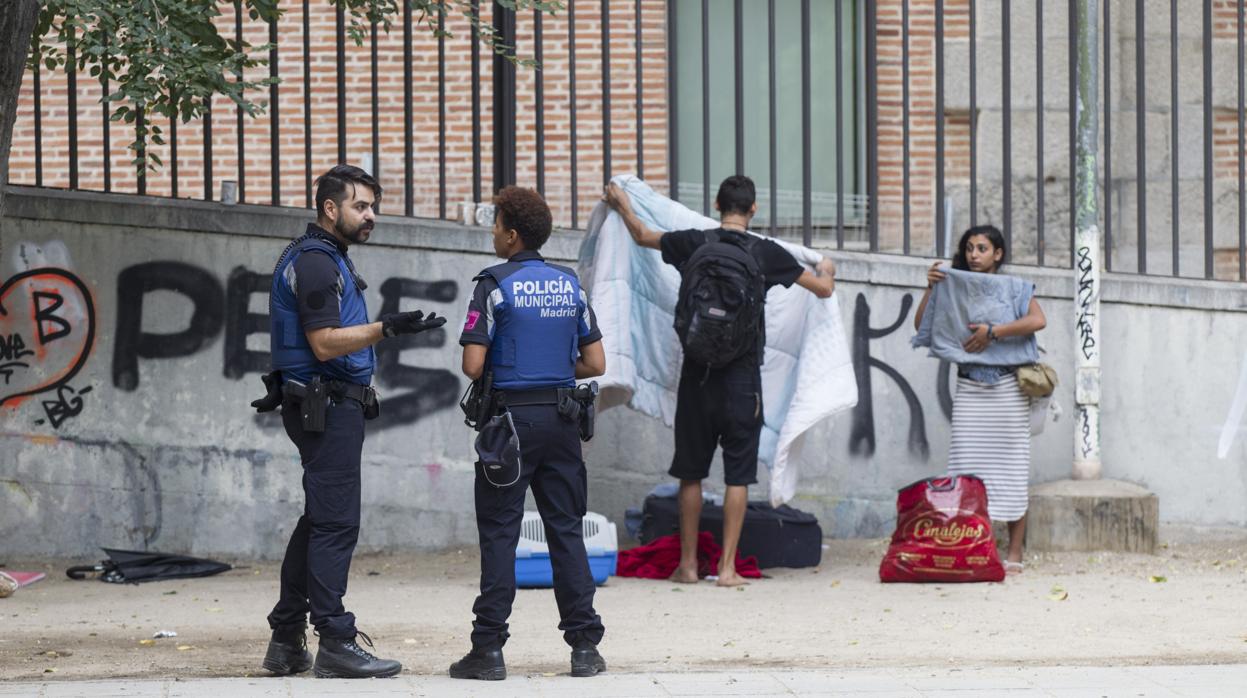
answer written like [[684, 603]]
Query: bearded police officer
[[529, 326], [323, 363]]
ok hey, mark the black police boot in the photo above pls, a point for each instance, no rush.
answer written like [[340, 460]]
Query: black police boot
[[586, 661], [486, 665], [345, 659], [287, 650]]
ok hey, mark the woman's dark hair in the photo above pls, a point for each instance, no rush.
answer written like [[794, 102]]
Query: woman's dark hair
[[736, 195], [333, 185], [525, 212], [991, 232]]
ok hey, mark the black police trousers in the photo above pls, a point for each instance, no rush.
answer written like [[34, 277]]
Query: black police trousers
[[553, 466], [318, 557]]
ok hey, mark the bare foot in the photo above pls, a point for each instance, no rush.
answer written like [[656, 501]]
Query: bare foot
[[731, 579], [683, 575]]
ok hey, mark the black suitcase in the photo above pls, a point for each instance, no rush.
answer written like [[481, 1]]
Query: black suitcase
[[778, 537]]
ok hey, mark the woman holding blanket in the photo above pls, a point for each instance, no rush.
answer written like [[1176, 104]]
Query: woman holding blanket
[[986, 322]]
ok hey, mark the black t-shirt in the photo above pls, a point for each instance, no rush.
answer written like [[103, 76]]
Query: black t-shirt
[[318, 285], [779, 268]]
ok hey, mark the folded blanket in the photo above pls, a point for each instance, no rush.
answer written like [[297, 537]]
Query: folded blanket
[[968, 297], [807, 374], [660, 557]]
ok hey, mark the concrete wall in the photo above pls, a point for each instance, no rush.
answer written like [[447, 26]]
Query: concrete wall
[[151, 442]]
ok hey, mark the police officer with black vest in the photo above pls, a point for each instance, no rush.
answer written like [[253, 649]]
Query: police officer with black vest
[[323, 362], [529, 334]]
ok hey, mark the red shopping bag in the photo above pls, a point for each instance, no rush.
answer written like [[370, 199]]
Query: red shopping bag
[[943, 534]]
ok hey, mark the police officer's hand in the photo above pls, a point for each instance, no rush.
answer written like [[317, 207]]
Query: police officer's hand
[[409, 323]]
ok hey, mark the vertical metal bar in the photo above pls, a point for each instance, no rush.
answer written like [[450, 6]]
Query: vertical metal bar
[[341, 34], [274, 106], [571, 105], [474, 39], [1173, 136], [1108, 142], [872, 126], [705, 106], [673, 103], [207, 144], [1208, 221], [772, 155], [307, 106], [108, 136], [1039, 176], [409, 184], [441, 115], [606, 93], [1140, 139], [939, 125], [839, 47], [974, 120], [807, 231], [738, 52], [1242, 168], [540, 77], [38, 88], [504, 135], [1007, 124], [173, 156], [376, 110], [71, 74], [141, 126], [238, 113], [1073, 98], [640, 130]]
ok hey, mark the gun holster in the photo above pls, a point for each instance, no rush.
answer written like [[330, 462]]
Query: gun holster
[[312, 400], [579, 405], [478, 402]]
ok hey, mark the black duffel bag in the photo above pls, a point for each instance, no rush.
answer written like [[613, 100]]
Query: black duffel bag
[[776, 536]]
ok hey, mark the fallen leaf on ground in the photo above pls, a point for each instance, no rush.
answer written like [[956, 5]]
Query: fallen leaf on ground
[[50, 670], [1058, 594], [214, 609], [1156, 579], [183, 648], [147, 643]]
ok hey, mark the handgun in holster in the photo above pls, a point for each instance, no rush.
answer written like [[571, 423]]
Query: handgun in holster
[[585, 395], [312, 401], [478, 401]]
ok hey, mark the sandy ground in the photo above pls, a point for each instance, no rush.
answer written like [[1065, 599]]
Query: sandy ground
[[1183, 605]]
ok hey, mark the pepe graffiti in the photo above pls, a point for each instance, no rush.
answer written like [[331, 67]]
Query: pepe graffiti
[[47, 332]]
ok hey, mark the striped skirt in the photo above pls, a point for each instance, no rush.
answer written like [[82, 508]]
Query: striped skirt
[[991, 439]]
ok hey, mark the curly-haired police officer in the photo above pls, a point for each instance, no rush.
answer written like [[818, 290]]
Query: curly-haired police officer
[[530, 323], [323, 362]]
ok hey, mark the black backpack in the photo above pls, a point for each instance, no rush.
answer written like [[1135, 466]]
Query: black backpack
[[718, 316]]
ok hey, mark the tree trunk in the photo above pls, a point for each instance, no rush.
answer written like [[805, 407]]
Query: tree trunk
[[17, 21]]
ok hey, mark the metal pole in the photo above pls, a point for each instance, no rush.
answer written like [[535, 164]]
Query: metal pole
[[1087, 260]]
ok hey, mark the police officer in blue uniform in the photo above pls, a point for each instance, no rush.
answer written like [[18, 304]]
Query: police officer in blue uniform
[[323, 361], [530, 324]]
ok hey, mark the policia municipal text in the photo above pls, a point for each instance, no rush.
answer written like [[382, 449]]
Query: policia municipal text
[[529, 334], [323, 361]]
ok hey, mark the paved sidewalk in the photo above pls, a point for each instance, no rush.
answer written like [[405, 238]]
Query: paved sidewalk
[[1064, 682]]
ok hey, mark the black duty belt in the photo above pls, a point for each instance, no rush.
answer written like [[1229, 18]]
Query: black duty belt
[[338, 390], [529, 398]]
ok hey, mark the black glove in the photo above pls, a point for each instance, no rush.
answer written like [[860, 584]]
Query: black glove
[[272, 400], [409, 323]]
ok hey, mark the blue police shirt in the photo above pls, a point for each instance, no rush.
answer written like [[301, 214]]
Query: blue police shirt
[[534, 317], [315, 286]]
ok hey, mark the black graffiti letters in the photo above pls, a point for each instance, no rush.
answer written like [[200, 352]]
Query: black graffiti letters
[[68, 403], [46, 304], [1086, 294], [12, 351], [862, 435], [240, 323], [426, 390], [132, 343]]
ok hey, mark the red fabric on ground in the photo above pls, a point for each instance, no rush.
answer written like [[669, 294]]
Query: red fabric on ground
[[660, 558]]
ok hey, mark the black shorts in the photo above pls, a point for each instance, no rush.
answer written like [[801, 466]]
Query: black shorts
[[725, 409]]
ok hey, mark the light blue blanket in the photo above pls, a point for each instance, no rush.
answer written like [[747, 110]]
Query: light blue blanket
[[966, 298]]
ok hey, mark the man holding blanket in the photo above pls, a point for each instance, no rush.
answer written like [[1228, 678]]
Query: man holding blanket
[[725, 276]]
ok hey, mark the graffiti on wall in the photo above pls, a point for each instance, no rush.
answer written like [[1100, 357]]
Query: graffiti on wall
[[862, 440], [47, 331]]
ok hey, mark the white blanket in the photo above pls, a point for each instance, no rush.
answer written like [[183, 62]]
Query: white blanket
[[807, 374]]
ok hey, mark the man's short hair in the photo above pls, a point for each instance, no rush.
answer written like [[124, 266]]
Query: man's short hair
[[525, 212], [341, 180], [736, 195]]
